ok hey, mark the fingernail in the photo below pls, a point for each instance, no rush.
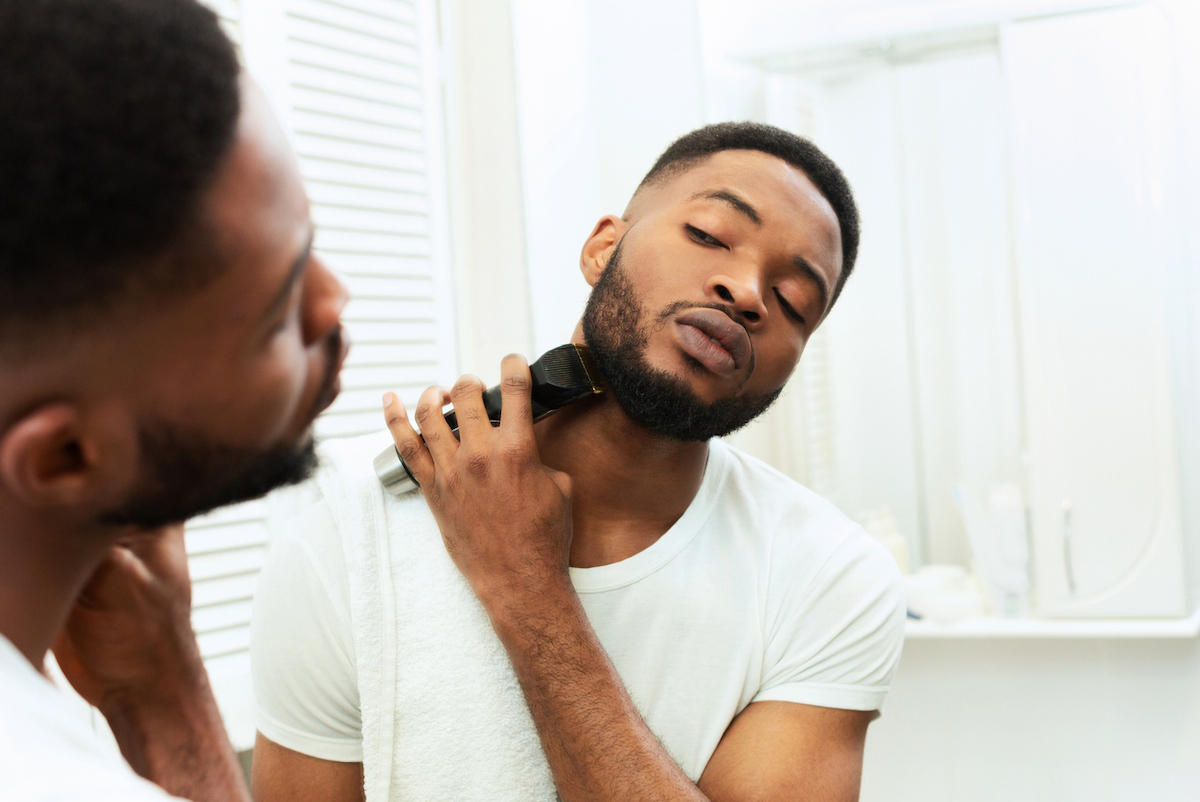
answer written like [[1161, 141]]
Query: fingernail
[[389, 399]]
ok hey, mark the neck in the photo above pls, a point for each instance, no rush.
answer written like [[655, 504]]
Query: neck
[[630, 486], [43, 567]]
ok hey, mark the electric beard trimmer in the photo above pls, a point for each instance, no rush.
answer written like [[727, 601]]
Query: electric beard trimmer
[[561, 376]]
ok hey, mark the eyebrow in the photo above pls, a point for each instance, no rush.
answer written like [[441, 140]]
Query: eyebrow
[[294, 273], [733, 199]]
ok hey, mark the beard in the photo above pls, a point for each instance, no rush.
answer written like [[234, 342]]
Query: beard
[[186, 473], [617, 337]]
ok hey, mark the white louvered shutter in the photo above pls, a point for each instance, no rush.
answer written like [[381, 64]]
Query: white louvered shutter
[[364, 117]]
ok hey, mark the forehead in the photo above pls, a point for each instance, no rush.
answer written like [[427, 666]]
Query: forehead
[[786, 199]]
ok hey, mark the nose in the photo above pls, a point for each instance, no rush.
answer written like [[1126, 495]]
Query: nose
[[325, 297], [742, 291]]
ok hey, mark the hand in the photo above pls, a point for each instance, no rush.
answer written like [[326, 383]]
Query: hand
[[129, 638], [505, 518]]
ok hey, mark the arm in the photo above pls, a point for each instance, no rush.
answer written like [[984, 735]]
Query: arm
[[282, 775], [599, 747], [129, 649], [309, 744], [505, 519], [783, 750]]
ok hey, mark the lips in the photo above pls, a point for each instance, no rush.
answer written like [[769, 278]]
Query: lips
[[713, 339]]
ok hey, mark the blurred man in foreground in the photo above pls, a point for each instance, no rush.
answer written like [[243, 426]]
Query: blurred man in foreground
[[166, 340]]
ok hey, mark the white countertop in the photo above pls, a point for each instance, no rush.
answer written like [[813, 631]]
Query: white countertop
[[1057, 628]]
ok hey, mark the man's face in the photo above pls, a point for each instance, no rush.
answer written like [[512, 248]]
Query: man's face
[[709, 296], [228, 381]]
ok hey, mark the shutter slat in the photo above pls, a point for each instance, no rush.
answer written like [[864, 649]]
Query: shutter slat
[[224, 642], [391, 330], [333, 127], [227, 563], [381, 111], [353, 63], [390, 353], [381, 221], [228, 536], [338, 195], [221, 616], [374, 19], [384, 376], [311, 30], [248, 511], [225, 589], [367, 399], [356, 153], [361, 86], [397, 10], [357, 175], [369, 309], [334, 240], [375, 265], [390, 287]]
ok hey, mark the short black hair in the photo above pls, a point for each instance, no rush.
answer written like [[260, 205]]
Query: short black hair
[[115, 116], [694, 147]]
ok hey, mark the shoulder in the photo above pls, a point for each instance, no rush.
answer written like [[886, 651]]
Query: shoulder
[[817, 555], [48, 752], [782, 512]]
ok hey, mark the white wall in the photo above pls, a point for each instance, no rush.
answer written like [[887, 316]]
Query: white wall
[[603, 87], [487, 215]]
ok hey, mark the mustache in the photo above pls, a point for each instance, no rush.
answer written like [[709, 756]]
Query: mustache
[[682, 306]]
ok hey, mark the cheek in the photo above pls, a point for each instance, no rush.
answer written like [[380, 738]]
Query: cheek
[[278, 381], [262, 396], [776, 361]]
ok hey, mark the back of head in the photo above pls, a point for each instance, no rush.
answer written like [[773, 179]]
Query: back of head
[[800, 153], [114, 117]]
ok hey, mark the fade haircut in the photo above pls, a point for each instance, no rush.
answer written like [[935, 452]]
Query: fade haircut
[[115, 116], [690, 149]]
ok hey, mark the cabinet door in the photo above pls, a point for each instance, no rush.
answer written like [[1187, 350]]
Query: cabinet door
[[1094, 160]]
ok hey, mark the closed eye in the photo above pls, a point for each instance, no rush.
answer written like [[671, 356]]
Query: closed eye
[[703, 237], [788, 310]]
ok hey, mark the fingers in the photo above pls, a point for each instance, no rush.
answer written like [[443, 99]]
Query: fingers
[[473, 423], [515, 388], [439, 440], [408, 443]]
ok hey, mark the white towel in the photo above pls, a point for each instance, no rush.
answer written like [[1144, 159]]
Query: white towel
[[443, 717]]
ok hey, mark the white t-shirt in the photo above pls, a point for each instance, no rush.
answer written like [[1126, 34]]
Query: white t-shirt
[[762, 590], [48, 753]]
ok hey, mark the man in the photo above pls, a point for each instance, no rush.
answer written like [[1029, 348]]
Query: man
[[618, 606], [166, 339]]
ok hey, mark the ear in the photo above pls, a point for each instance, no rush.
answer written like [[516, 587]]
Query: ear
[[50, 457], [599, 247]]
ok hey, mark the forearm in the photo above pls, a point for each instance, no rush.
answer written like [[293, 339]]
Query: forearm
[[595, 740], [179, 743]]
